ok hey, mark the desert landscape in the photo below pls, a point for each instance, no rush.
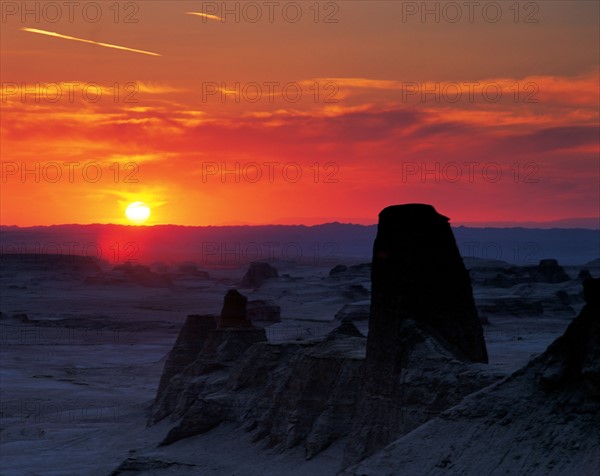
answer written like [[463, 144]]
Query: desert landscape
[[299, 238], [260, 369]]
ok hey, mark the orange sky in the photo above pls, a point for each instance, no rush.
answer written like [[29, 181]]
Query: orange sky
[[489, 121]]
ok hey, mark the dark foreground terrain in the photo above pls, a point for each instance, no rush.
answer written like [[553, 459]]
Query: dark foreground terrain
[[322, 369]]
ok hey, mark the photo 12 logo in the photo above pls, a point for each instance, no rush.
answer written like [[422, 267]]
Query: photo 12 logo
[[72, 12], [270, 91], [223, 253], [115, 252], [69, 172], [470, 172], [68, 92], [271, 172], [268, 12], [471, 12], [469, 92], [518, 252]]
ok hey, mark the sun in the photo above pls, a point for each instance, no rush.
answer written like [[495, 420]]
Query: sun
[[138, 212]]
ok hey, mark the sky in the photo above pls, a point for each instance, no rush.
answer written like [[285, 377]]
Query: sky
[[216, 113]]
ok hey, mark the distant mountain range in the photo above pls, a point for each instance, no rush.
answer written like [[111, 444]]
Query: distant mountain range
[[592, 223], [323, 245]]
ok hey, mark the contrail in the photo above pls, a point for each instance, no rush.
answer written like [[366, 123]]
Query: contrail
[[205, 15], [107, 45]]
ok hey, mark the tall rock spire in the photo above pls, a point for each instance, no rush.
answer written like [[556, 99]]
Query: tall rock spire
[[419, 274]]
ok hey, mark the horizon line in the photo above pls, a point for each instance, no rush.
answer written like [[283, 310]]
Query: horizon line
[[551, 224]]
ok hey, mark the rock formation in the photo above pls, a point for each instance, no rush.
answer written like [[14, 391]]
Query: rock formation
[[234, 333], [257, 274], [418, 274], [546, 271], [549, 271], [301, 394], [206, 344], [233, 313], [574, 358], [286, 394], [423, 331], [423, 355], [542, 420], [188, 345]]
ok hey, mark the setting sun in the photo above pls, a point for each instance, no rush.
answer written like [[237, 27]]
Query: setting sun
[[138, 212]]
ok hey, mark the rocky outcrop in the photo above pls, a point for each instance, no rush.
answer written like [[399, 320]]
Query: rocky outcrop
[[226, 345], [547, 271], [188, 345], [307, 394], [286, 395], [574, 358], [205, 348], [427, 380], [424, 353], [258, 273], [234, 334], [424, 332], [542, 420], [233, 313], [419, 274]]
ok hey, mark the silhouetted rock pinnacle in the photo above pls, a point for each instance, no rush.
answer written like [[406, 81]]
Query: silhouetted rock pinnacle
[[233, 313], [419, 274], [425, 339]]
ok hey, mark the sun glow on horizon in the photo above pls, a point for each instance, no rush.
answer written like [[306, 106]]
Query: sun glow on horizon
[[138, 212]]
